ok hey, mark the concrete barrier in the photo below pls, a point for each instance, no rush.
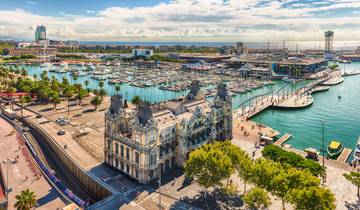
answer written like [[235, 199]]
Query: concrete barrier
[[93, 186]]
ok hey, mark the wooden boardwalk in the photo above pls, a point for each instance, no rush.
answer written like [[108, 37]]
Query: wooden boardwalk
[[283, 139], [344, 155]]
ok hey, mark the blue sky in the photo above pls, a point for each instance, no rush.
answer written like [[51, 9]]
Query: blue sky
[[181, 20]]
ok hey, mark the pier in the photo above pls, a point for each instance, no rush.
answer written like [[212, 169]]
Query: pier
[[282, 98], [283, 139], [344, 155]]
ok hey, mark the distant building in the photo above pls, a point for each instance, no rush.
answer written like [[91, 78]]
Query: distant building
[[142, 52], [284, 67], [40, 33], [239, 48], [37, 51], [196, 57], [24, 44], [139, 141]]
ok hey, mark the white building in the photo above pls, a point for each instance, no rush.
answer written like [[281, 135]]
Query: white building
[[142, 52]]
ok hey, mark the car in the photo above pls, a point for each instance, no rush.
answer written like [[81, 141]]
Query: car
[[61, 132]]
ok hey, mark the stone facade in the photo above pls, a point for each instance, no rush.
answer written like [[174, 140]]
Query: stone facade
[[138, 140]]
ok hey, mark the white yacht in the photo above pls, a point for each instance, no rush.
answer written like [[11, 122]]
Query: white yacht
[[288, 80], [357, 152]]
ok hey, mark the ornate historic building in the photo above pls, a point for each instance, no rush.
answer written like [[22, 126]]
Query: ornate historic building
[[138, 140]]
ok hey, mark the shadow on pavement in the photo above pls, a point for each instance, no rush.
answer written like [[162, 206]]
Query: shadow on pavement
[[352, 206], [50, 196], [212, 200]]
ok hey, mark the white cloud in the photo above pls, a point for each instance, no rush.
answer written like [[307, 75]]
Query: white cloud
[[31, 2], [192, 20], [90, 11]]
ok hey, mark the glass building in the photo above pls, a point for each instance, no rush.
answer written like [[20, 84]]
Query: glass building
[[40, 33]]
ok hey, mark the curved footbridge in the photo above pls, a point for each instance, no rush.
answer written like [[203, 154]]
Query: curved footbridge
[[282, 98]]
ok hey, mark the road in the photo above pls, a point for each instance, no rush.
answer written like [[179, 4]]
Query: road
[[61, 171]]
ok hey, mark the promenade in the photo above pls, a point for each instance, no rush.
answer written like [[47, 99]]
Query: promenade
[[21, 171]]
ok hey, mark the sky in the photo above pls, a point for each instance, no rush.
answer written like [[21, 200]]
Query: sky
[[181, 20]]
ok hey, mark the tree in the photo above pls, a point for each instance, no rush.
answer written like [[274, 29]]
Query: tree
[[65, 81], [75, 77], [277, 154], [81, 95], [24, 73], [101, 84], [96, 101], [35, 76], [333, 67], [86, 85], [354, 178], [136, 100], [288, 180], [96, 92], [314, 197], [245, 169], [24, 99], [55, 99], [68, 93], [117, 88], [10, 91], [257, 198], [102, 93], [26, 200], [263, 171], [208, 165], [44, 75]]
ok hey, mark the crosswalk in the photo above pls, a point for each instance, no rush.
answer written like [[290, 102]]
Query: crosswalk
[[150, 196]]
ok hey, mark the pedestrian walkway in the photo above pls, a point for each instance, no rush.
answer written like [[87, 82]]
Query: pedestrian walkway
[[344, 155], [283, 139], [21, 171]]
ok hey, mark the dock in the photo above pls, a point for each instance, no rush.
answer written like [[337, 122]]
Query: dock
[[283, 139], [344, 155]]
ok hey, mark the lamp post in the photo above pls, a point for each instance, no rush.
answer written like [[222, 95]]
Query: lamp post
[[160, 207], [323, 150]]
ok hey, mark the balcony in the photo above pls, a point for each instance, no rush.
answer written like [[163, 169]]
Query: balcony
[[133, 144]]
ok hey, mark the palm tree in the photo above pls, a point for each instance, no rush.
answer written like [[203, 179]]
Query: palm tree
[[96, 91], [44, 75], [102, 93], [136, 100], [68, 93], [10, 92], [96, 101], [81, 95], [86, 85], [26, 200], [117, 88], [101, 84], [55, 100], [24, 99], [75, 77], [24, 73]]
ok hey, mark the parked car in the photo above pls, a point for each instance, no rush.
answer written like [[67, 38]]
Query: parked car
[[61, 132]]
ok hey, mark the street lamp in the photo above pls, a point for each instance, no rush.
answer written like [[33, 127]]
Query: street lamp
[[323, 150], [160, 207]]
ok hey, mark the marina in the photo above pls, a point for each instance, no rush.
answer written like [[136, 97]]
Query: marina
[[251, 98], [338, 113]]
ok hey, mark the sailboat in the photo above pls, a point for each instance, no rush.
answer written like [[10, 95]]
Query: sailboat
[[45, 64]]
